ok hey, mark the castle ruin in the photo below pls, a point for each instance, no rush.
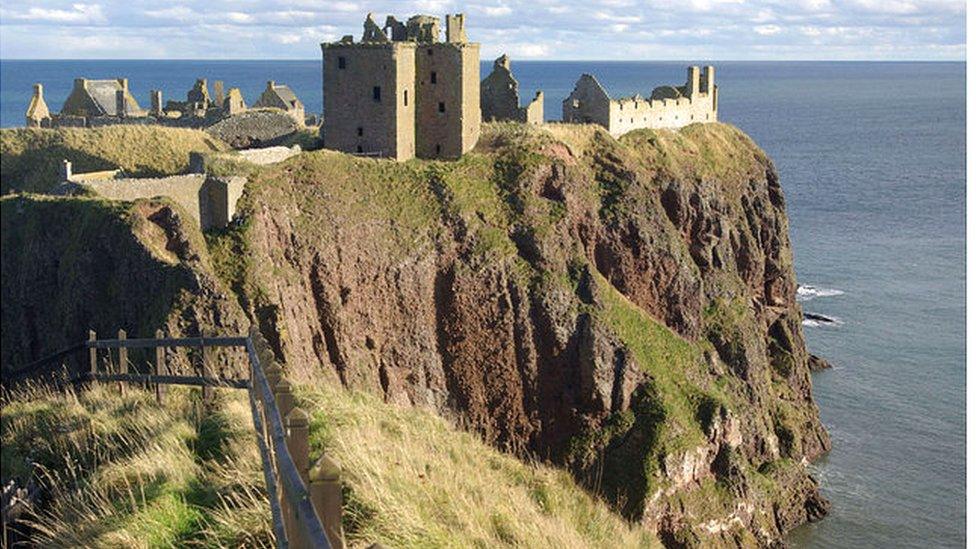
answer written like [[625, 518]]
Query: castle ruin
[[668, 106], [500, 97], [280, 96], [94, 103], [400, 92]]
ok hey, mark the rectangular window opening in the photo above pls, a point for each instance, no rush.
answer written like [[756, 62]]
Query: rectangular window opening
[[342, 62], [376, 93], [441, 107], [404, 98], [433, 77], [359, 131]]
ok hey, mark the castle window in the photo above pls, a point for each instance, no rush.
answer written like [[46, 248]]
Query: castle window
[[359, 148], [433, 77], [359, 131], [404, 98], [376, 93], [437, 149], [441, 107], [430, 51], [342, 62]]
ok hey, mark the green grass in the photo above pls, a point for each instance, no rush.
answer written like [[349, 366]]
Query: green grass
[[123, 471], [30, 159]]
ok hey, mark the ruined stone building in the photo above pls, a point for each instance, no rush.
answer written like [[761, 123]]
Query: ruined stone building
[[668, 106], [107, 102], [401, 92], [38, 115], [280, 96], [500, 97], [93, 99]]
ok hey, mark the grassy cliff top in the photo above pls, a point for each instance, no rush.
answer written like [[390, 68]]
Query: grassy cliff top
[[416, 481], [30, 159]]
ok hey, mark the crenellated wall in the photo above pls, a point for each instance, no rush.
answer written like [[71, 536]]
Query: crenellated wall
[[668, 106]]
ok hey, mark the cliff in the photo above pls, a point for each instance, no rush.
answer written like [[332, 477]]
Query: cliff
[[625, 309], [73, 264], [622, 308]]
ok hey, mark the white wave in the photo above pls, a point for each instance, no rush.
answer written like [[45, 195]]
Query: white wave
[[806, 292]]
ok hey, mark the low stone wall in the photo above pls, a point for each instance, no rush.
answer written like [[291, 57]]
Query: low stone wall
[[255, 129], [211, 200]]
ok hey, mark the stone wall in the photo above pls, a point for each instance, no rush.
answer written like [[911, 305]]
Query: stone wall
[[212, 201], [500, 97], [668, 107]]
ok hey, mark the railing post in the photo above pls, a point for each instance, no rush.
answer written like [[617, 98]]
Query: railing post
[[160, 365], [273, 375], [325, 491], [283, 398], [92, 355], [202, 372], [123, 360], [296, 425]]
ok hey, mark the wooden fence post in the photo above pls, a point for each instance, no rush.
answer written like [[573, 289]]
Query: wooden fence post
[[283, 398], [202, 372], [123, 360], [273, 374], [160, 366], [92, 355], [325, 491], [296, 425]]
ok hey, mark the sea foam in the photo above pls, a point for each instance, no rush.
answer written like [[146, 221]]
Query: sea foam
[[806, 292]]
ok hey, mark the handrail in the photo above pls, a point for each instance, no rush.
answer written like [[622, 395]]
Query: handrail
[[294, 485], [260, 395]]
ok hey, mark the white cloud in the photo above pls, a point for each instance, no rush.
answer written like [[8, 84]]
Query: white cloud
[[494, 11], [86, 14], [566, 29], [767, 30]]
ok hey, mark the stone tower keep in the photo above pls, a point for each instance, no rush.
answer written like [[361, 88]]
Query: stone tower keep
[[401, 92]]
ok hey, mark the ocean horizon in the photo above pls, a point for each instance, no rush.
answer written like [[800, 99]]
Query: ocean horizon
[[872, 164]]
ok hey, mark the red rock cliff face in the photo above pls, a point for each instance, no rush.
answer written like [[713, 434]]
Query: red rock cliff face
[[623, 308]]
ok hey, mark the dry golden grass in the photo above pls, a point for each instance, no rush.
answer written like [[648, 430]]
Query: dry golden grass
[[30, 158], [415, 481]]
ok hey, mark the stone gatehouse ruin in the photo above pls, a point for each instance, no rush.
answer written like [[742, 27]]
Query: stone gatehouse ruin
[[210, 200], [500, 97], [668, 106], [401, 92]]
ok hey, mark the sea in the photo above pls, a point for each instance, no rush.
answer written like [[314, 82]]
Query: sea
[[872, 161]]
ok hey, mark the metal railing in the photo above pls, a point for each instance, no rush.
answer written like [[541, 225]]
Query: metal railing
[[306, 501]]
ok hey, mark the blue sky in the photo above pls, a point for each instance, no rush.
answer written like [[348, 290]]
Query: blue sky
[[541, 29]]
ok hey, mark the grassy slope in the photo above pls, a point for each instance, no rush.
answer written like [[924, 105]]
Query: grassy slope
[[30, 159], [412, 480], [125, 472]]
